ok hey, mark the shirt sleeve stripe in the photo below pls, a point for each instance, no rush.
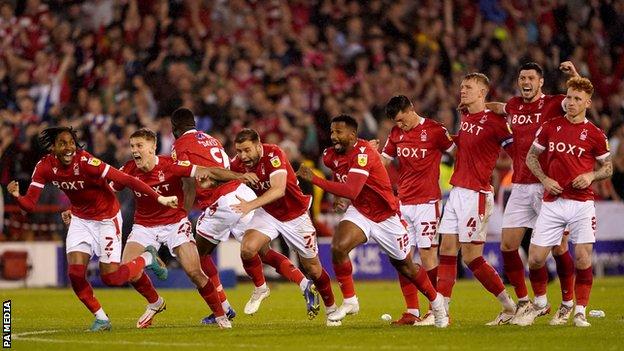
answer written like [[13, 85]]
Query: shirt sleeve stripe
[[193, 170], [451, 148], [603, 156], [277, 171], [38, 185], [387, 156], [105, 171], [357, 170], [538, 146]]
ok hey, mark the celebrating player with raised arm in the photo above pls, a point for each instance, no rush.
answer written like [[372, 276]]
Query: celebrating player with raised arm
[[464, 222], [281, 208], [572, 145], [362, 178], [96, 227], [418, 143], [525, 114], [154, 225], [218, 219]]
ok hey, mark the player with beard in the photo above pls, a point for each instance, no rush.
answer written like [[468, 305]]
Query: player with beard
[[361, 177]]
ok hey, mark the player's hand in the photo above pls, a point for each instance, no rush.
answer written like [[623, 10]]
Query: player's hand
[[250, 178], [552, 186], [66, 217], [205, 182], [568, 68], [244, 207], [305, 173], [340, 204], [374, 143], [583, 181], [13, 188], [169, 201]]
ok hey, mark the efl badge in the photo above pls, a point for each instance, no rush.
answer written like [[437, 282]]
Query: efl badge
[[173, 155], [483, 119], [185, 163], [275, 161], [362, 159], [94, 162], [423, 135], [509, 128], [76, 169], [161, 176], [584, 134]]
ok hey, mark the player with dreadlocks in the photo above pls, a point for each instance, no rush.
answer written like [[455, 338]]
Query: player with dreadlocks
[[96, 224]]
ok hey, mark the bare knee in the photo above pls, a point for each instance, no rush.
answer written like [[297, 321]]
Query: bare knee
[[340, 252], [449, 245], [248, 251], [197, 276], [536, 262], [559, 250]]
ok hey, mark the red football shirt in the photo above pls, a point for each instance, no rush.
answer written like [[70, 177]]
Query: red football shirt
[[376, 201], [419, 151], [571, 150], [82, 181], [478, 145], [525, 119], [203, 150], [273, 161], [165, 179]]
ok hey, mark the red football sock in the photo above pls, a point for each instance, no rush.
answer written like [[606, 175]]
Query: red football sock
[[583, 285], [323, 285], [514, 269], [124, 272], [344, 275], [447, 273], [82, 288], [283, 266], [421, 281], [253, 267], [410, 292], [565, 271], [209, 267], [487, 276], [144, 286], [209, 294], [539, 280], [433, 276]]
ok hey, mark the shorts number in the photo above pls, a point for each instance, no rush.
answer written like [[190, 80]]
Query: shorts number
[[109, 243], [309, 241], [429, 228], [185, 229], [403, 242]]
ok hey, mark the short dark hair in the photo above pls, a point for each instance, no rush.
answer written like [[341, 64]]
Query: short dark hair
[[479, 77], [48, 136], [398, 103], [247, 134], [346, 119], [145, 133], [532, 66], [183, 117]]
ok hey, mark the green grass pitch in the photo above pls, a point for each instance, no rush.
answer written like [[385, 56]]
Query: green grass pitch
[[54, 319]]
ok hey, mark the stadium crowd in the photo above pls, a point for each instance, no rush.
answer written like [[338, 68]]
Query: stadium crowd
[[284, 68]]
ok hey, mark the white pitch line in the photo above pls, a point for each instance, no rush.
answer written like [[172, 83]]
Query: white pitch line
[[36, 332]]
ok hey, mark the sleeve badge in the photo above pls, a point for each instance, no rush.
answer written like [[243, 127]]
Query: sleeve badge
[[362, 160], [184, 163], [275, 161], [94, 161]]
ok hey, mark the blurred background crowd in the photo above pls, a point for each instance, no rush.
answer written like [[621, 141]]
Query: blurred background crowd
[[107, 67]]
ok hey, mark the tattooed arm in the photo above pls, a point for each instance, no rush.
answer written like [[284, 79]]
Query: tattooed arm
[[532, 162]]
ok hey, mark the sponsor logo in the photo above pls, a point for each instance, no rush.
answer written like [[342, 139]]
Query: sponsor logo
[[74, 185], [471, 128], [411, 152], [566, 148]]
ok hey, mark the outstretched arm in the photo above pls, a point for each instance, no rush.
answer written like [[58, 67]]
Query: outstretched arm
[[28, 201], [496, 107], [113, 174], [350, 189]]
